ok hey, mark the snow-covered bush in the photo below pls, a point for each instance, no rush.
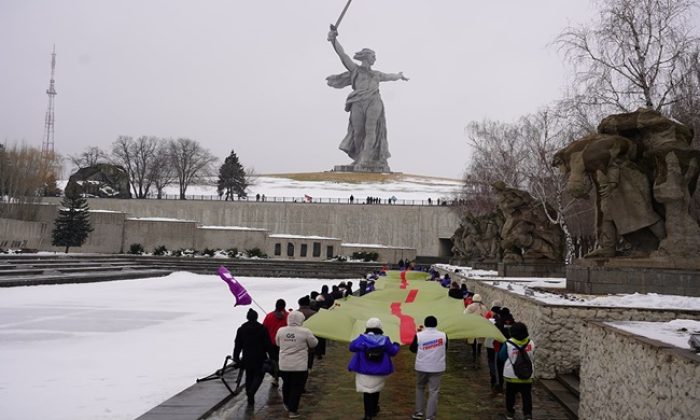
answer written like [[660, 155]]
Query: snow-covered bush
[[365, 256], [161, 250], [255, 253], [136, 249], [207, 252]]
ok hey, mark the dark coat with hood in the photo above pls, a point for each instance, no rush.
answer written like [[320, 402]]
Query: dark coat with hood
[[252, 339]]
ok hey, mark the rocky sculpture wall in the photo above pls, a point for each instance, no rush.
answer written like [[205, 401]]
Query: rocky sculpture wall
[[527, 235], [643, 171], [101, 180], [478, 238]]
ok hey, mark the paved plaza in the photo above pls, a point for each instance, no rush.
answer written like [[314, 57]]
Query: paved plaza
[[465, 392]]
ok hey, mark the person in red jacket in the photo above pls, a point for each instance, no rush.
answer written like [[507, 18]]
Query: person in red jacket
[[273, 322]]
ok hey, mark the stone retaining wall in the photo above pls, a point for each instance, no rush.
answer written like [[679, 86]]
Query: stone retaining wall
[[557, 329], [419, 227], [20, 234], [624, 376]]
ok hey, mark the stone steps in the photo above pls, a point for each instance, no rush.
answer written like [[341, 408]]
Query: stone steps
[[571, 382], [81, 277], [17, 270], [565, 389]]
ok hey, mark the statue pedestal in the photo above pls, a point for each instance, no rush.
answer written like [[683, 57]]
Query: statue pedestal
[[375, 167], [630, 275], [531, 270]]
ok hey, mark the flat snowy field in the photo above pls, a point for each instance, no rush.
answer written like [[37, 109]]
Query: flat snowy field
[[114, 350]]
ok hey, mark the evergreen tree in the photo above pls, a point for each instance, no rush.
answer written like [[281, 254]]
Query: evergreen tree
[[232, 178], [72, 226]]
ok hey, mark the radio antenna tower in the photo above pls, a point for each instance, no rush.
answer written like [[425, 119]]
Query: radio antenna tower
[[47, 144]]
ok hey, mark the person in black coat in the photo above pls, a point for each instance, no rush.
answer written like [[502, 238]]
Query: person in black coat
[[253, 340], [455, 291]]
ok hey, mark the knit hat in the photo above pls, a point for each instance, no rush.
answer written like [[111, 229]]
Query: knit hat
[[252, 315], [374, 323], [476, 298]]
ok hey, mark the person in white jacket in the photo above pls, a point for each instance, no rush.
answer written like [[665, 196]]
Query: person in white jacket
[[294, 342], [430, 346], [477, 307]]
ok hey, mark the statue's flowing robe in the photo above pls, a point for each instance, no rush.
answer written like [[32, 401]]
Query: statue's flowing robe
[[358, 101]]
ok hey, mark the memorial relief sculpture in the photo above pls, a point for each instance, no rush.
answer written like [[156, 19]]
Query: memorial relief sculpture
[[102, 180], [527, 235], [478, 237], [644, 173]]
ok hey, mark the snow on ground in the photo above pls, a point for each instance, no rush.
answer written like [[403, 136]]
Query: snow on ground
[[230, 228], [523, 286], [410, 190], [114, 350], [370, 246], [675, 333], [159, 219]]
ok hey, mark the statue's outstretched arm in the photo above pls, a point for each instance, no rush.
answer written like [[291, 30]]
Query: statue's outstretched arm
[[390, 77], [344, 58]]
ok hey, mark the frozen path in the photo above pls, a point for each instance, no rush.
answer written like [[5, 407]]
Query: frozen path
[[114, 350]]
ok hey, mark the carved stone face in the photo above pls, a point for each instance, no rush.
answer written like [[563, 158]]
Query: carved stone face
[[366, 56], [576, 184]]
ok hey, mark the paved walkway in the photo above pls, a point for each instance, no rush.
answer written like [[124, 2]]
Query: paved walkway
[[465, 392]]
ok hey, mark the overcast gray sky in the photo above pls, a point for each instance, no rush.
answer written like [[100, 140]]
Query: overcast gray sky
[[250, 75]]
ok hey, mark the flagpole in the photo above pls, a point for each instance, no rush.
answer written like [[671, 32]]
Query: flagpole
[[258, 305]]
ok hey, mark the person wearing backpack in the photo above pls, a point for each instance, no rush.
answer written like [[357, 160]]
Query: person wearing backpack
[[503, 322], [518, 370], [372, 364]]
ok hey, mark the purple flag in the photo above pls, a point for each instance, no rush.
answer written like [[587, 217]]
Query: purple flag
[[242, 296]]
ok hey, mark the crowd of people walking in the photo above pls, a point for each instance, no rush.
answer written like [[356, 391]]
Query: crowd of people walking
[[284, 348]]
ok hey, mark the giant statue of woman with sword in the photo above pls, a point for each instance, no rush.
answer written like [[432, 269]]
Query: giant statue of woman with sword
[[366, 141]]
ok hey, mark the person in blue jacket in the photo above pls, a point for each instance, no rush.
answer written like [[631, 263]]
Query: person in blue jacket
[[372, 364]]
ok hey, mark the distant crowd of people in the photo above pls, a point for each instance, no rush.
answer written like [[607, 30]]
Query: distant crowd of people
[[283, 347]]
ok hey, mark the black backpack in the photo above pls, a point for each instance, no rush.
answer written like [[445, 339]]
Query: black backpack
[[522, 367], [375, 354]]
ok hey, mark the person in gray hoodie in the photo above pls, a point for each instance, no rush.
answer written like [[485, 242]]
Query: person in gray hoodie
[[294, 342]]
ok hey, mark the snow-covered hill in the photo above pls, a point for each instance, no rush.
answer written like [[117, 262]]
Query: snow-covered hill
[[337, 186]]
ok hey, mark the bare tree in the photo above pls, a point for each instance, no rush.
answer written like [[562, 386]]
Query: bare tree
[[520, 155], [92, 155], [543, 134], [686, 109], [162, 172], [496, 152], [136, 156], [191, 162], [632, 55], [122, 154], [24, 176]]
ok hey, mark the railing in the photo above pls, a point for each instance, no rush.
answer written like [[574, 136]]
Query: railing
[[315, 200]]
